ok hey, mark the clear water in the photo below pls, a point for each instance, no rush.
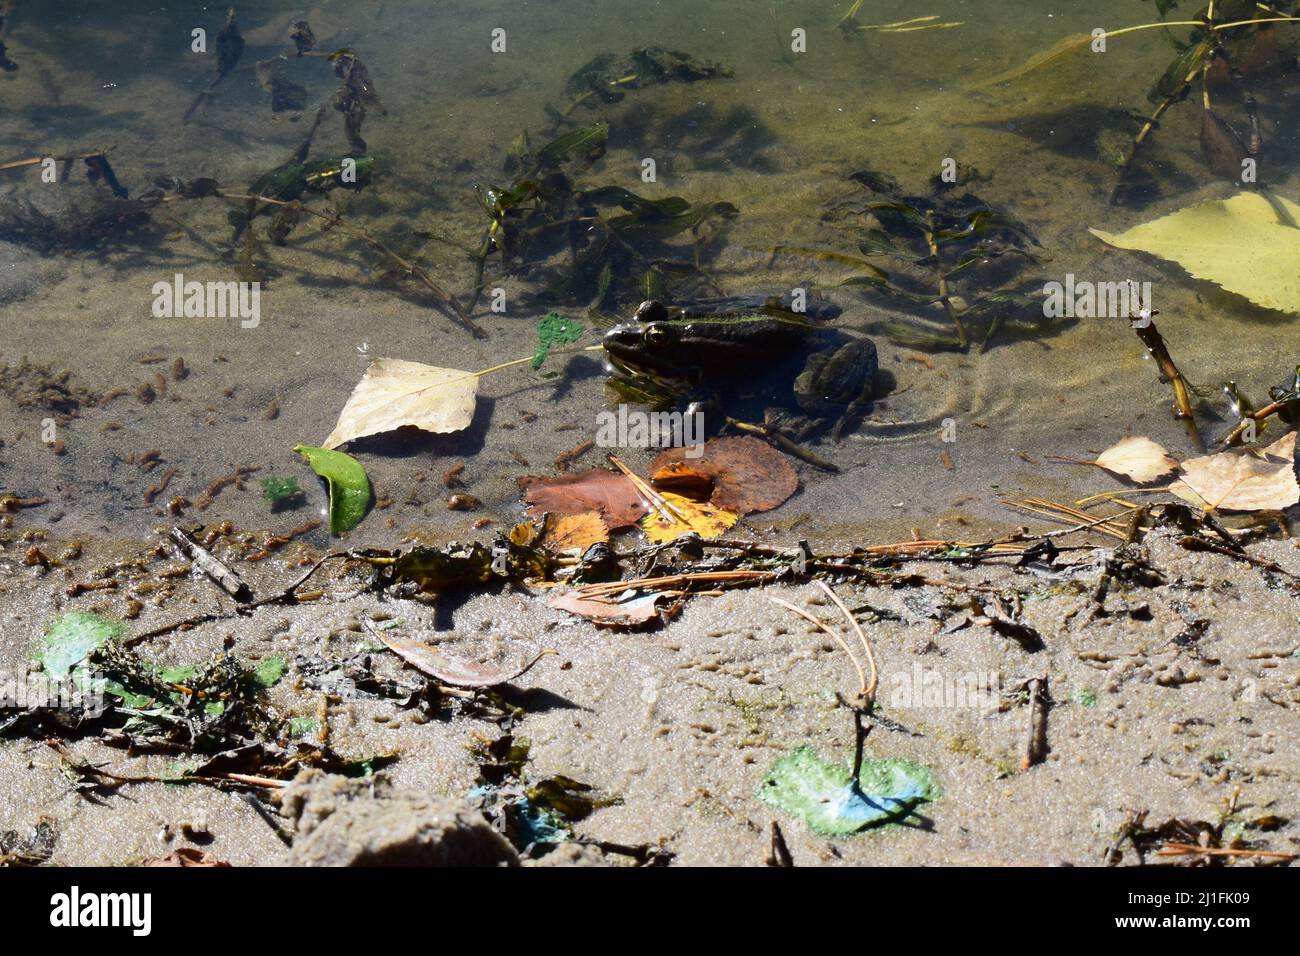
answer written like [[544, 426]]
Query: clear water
[[777, 141]]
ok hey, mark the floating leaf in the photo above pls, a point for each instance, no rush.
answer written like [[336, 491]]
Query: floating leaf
[[394, 393], [1138, 458], [1242, 480], [610, 493], [741, 474], [1249, 245], [450, 670], [687, 517], [349, 486], [554, 330], [71, 638], [824, 794], [579, 531]]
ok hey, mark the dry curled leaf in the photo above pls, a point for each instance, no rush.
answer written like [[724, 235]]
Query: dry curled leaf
[[450, 670], [610, 493], [635, 611], [741, 474], [1242, 480], [394, 393], [1138, 458], [579, 531], [684, 516]]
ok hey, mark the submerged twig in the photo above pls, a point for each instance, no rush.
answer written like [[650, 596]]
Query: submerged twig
[[224, 577]]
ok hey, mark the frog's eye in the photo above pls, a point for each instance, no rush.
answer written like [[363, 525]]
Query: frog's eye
[[655, 334]]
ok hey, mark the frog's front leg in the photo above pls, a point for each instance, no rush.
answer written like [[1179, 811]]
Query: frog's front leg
[[838, 382]]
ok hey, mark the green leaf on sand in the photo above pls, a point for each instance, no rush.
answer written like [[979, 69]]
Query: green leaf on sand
[[823, 794], [554, 330], [71, 638], [348, 484]]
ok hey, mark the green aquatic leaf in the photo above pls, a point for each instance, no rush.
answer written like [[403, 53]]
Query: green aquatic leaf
[[583, 139], [825, 796], [554, 330], [348, 484], [70, 639]]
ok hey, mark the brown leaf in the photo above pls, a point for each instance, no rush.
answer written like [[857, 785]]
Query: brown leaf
[[1137, 458], [599, 489], [610, 612], [1236, 480], [746, 474], [450, 670], [579, 531]]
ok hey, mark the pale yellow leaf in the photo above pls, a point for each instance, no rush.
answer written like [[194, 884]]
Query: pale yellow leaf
[[1241, 244], [1242, 480], [1138, 458], [702, 519], [394, 393]]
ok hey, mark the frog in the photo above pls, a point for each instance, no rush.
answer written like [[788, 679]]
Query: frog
[[720, 353]]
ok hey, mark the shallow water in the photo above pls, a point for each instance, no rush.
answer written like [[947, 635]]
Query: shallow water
[[777, 140], [683, 722]]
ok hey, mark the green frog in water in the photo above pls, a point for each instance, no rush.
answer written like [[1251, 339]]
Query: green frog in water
[[722, 354]]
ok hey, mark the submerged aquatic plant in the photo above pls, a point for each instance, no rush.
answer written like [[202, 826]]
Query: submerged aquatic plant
[[617, 241], [1231, 43], [946, 248]]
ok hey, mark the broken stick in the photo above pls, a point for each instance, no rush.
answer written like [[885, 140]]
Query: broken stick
[[202, 559], [1036, 748]]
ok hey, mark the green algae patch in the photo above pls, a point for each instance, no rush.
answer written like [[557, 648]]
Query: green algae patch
[[70, 638], [825, 796]]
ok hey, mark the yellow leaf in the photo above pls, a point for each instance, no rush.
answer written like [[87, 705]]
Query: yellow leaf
[[1238, 480], [702, 519], [394, 393], [1242, 244]]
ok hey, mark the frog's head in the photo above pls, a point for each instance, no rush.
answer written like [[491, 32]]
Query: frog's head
[[645, 347]]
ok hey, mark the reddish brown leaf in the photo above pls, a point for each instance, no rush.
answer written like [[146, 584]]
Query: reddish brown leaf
[[607, 492], [746, 474]]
